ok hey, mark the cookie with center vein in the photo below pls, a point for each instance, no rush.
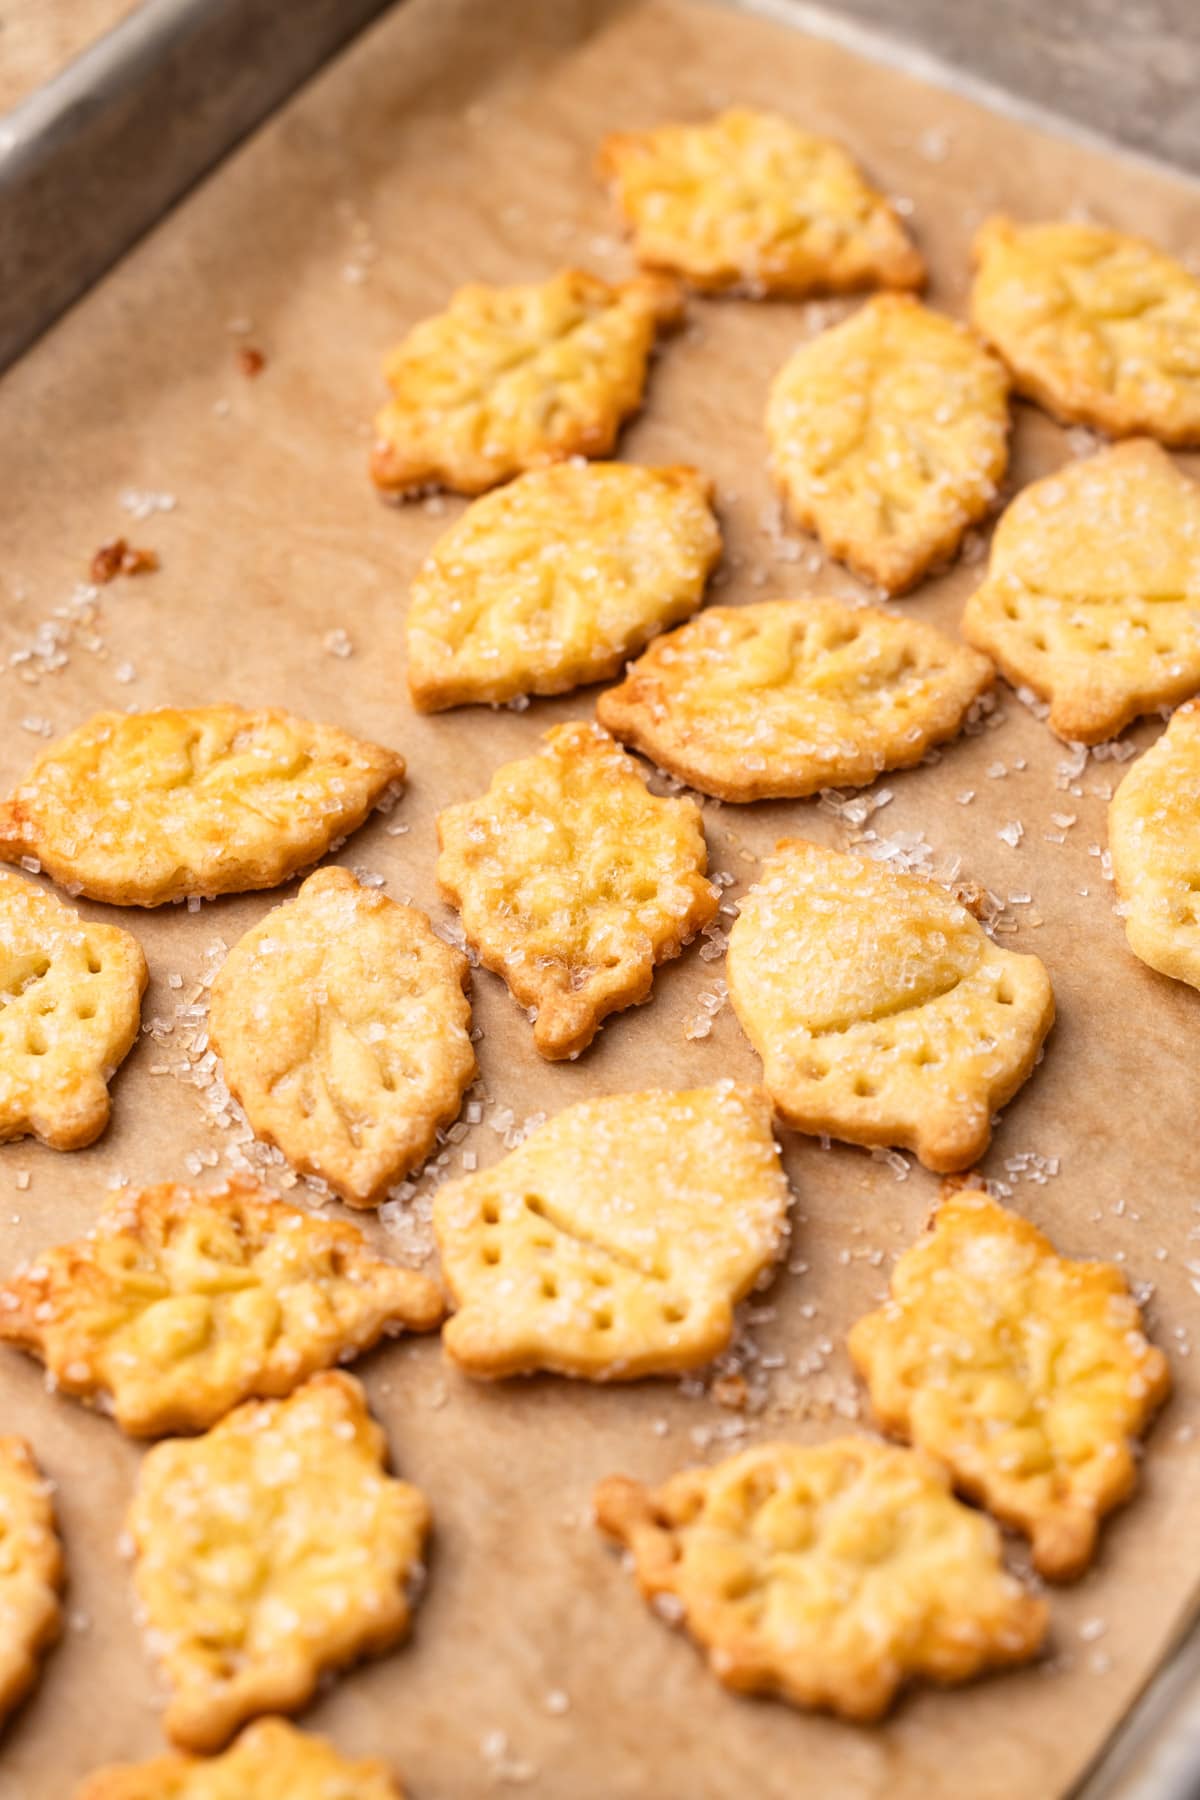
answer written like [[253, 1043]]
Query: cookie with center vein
[[1099, 327], [574, 880], [270, 1760], [828, 1575], [617, 1239], [781, 698], [509, 378], [889, 437], [142, 808], [749, 201], [269, 1551], [180, 1303], [882, 1011], [1026, 1373], [1092, 595], [556, 579], [1154, 837], [70, 1003], [345, 1033], [31, 1572]]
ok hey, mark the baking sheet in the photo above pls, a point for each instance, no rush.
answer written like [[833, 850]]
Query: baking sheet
[[455, 142]]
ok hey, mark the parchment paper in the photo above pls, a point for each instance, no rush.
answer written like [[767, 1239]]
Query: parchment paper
[[455, 142]]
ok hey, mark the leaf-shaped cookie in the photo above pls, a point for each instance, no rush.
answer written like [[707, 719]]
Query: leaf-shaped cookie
[[747, 200], [889, 437], [616, 1240], [31, 1572], [1093, 590], [882, 1011], [344, 1028], [270, 1760], [141, 808], [508, 378], [826, 1574], [179, 1303], [556, 579], [1154, 837], [1098, 327], [270, 1550], [778, 699], [1026, 1373], [574, 881], [70, 1002]]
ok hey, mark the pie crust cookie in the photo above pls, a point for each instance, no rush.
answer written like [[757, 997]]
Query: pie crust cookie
[[138, 809], [882, 1011], [748, 201], [574, 881], [270, 1760], [556, 579], [70, 1005], [1098, 327], [828, 1575], [181, 1303], [345, 1033], [1026, 1373], [616, 1240], [269, 1551], [31, 1572], [1154, 837], [889, 438], [509, 378], [781, 698], [1092, 597]]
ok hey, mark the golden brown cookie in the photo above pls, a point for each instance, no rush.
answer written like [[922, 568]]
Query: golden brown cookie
[[270, 1760], [1154, 837], [889, 437], [31, 1572], [617, 1239], [749, 201], [142, 808], [1092, 596], [180, 1303], [269, 1551], [574, 881], [556, 579], [509, 378], [1027, 1374], [70, 1003], [1099, 327], [345, 1032], [778, 699], [827, 1574], [882, 1011]]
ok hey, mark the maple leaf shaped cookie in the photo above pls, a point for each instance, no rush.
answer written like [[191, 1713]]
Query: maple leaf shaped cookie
[[889, 437], [70, 1003], [882, 1011], [781, 698], [574, 881], [1092, 596], [269, 1551], [270, 1760], [1026, 1373], [749, 201], [616, 1240], [826, 1574], [1098, 327], [31, 1572], [345, 1033], [1154, 837], [556, 579], [180, 1303], [509, 378], [142, 808]]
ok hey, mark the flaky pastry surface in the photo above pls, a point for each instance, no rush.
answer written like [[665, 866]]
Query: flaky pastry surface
[[1154, 837], [31, 1572], [270, 1760], [826, 1574], [780, 698]]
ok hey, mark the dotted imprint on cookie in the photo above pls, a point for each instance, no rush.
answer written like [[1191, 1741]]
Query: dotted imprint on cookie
[[1154, 837], [31, 1572], [271, 1760], [1026, 1373]]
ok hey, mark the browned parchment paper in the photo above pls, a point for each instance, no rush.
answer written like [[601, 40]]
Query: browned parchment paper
[[454, 142]]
